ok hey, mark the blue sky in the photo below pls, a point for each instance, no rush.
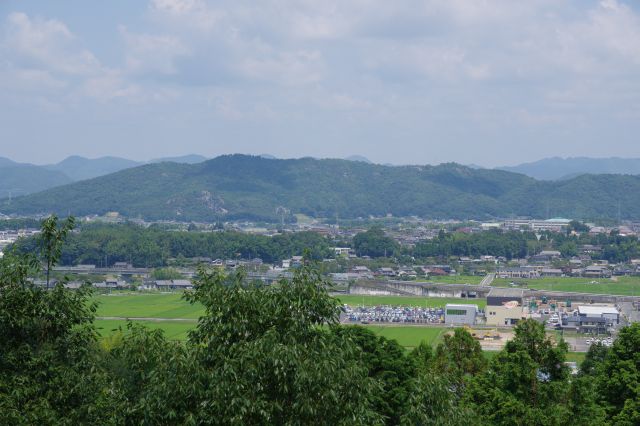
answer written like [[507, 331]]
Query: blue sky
[[490, 82]]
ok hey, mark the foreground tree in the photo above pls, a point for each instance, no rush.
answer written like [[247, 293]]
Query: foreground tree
[[619, 377], [527, 383], [388, 364], [51, 239], [459, 356], [435, 402], [270, 356], [47, 347]]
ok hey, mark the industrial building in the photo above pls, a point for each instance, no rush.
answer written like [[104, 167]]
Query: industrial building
[[592, 318], [460, 314], [504, 306]]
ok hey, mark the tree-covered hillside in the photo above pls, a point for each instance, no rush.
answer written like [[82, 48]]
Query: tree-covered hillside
[[240, 186], [20, 179]]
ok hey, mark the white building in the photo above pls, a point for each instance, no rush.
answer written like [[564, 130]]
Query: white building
[[460, 314], [609, 313]]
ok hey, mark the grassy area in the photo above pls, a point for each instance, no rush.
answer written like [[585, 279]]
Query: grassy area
[[627, 286], [171, 305], [576, 357], [145, 305], [356, 300], [303, 219], [409, 336], [173, 330]]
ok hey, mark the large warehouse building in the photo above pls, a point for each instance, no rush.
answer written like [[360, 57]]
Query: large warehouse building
[[460, 314], [504, 306]]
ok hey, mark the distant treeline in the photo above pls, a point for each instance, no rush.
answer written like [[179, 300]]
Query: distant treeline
[[509, 244], [15, 224], [153, 247]]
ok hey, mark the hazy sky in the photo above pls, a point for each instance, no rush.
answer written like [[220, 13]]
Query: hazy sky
[[491, 82]]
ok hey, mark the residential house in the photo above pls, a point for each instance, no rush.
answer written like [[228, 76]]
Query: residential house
[[597, 271], [551, 272], [386, 272]]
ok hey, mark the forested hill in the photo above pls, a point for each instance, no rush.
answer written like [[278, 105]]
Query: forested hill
[[240, 186]]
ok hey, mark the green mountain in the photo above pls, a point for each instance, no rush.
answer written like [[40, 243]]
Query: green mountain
[[20, 178], [567, 168], [80, 168], [240, 186], [186, 159]]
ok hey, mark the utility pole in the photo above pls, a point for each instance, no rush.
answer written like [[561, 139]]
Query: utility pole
[[547, 210], [282, 212]]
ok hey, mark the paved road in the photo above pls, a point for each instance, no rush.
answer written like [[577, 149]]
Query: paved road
[[488, 279], [630, 311]]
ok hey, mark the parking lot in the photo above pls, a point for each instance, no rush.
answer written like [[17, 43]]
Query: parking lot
[[392, 314]]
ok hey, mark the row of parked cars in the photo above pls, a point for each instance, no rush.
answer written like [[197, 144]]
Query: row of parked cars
[[606, 341], [393, 314]]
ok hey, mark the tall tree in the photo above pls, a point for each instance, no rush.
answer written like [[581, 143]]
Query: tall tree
[[269, 356], [52, 236], [619, 377], [527, 383], [48, 361]]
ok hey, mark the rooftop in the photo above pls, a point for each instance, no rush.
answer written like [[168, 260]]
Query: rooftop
[[597, 310], [461, 306], [505, 292]]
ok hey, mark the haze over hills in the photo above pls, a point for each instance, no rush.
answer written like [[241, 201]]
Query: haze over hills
[[185, 159], [250, 187], [564, 168], [24, 178], [80, 168], [358, 158], [20, 178], [76, 168]]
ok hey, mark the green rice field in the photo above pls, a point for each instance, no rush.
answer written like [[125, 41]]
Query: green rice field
[[409, 336], [624, 286], [171, 305], [173, 330], [146, 305]]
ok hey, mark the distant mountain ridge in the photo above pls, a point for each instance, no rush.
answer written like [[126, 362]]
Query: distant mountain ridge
[[80, 168], [565, 168], [358, 158], [23, 178], [251, 187], [184, 159]]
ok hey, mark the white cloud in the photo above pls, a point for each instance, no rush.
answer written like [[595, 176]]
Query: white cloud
[[287, 68], [196, 14], [44, 56], [47, 43], [406, 69], [109, 86], [152, 53]]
